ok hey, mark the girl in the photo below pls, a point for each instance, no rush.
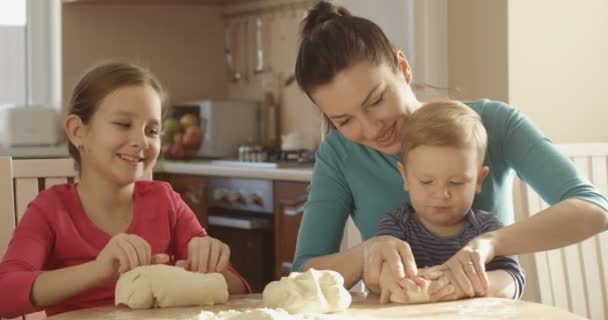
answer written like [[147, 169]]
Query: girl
[[75, 239]]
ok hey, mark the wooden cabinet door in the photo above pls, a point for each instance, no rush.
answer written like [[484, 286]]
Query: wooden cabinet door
[[289, 200], [193, 190]]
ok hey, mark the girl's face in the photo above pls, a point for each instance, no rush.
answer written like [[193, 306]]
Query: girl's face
[[367, 103], [122, 141]]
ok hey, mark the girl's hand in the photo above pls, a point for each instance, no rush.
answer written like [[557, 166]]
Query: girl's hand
[[392, 252], [467, 266], [125, 252], [206, 254]]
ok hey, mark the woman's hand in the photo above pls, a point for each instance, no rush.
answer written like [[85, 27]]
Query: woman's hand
[[206, 254], [467, 266], [392, 253], [125, 252], [445, 287]]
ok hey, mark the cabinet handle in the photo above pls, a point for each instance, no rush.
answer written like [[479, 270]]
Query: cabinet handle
[[294, 207]]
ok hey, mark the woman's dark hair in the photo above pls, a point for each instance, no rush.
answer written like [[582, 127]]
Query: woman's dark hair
[[332, 39], [98, 82]]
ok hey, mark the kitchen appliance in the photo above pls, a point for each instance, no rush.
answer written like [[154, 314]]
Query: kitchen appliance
[[240, 214], [28, 125], [225, 124]]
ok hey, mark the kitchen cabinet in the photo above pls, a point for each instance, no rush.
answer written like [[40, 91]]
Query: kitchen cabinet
[[289, 200], [193, 190]]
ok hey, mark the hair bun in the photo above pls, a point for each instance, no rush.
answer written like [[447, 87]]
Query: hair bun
[[319, 14]]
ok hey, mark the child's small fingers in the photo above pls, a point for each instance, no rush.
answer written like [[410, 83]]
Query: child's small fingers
[[399, 295], [129, 253], [203, 255], [384, 296], [194, 258], [441, 293], [222, 264], [182, 264], [408, 284], [161, 258], [214, 256]]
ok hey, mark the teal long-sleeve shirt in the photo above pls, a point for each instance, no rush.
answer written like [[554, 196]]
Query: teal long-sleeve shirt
[[352, 179]]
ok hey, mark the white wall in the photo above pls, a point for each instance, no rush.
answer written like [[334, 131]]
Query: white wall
[[12, 65], [558, 66]]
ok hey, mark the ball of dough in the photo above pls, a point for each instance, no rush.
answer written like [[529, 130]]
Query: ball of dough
[[164, 286], [311, 291]]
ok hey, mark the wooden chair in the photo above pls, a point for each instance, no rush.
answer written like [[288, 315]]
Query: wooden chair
[[20, 182], [575, 277]]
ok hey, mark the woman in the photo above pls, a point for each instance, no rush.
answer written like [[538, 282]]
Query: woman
[[348, 68]]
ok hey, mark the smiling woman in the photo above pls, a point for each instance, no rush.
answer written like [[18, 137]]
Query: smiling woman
[[362, 85]]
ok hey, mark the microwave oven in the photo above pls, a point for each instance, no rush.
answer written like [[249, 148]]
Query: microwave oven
[[225, 125]]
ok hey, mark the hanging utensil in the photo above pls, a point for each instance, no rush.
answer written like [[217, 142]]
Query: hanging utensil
[[259, 67], [232, 74], [246, 35]]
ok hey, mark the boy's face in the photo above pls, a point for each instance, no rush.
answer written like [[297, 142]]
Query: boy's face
[[442, 182]]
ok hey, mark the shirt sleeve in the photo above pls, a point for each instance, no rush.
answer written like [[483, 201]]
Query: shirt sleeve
[[538, 162], [506, 263], [327, 208], [23, 261]]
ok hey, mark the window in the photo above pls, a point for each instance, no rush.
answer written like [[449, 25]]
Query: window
[[30, 58]]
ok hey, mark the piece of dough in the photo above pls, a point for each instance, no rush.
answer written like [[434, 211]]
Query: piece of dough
[[164, 286], [421, 295], [311, 291]]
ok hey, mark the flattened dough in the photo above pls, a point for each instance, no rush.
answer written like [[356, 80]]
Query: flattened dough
[[155, 286], [311, 291], [418, 296]]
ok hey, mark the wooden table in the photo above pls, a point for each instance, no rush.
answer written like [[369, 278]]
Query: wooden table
[[363, 307]]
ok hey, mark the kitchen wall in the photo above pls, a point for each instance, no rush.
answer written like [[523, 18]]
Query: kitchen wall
[[545, 57], [182, 44]]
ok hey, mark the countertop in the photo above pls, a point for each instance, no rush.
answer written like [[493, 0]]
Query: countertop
[[204, 167], [56, 151]]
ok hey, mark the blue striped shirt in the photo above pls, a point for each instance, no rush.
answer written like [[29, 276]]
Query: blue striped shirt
[[430, 249]]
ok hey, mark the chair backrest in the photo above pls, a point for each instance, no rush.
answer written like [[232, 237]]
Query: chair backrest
[[20, 182], [575, 277]]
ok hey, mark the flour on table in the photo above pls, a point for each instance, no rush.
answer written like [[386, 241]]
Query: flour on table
[[164, 286], [311, 291], [265, 314]]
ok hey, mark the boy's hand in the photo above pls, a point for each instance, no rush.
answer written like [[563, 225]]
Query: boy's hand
[[206, 254], [393, 289], [125, 252]]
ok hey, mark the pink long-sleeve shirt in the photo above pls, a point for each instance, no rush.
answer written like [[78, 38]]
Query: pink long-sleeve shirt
[[56, 233]]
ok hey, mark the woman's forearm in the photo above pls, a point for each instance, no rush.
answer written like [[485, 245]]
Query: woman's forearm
[[52, 287], [349, 263], [501, 284], [563, 224]]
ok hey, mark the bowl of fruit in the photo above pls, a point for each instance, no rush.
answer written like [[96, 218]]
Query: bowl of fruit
[[181, 137]]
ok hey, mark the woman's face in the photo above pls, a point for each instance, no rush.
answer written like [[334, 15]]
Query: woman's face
[[367, 103]]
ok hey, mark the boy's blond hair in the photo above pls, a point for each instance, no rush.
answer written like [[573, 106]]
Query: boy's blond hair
[[444, 123]]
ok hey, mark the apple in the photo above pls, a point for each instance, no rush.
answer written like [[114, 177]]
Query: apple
[[188, 120], [192, 137]]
